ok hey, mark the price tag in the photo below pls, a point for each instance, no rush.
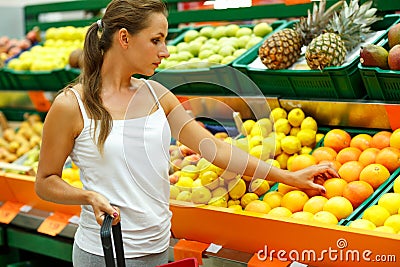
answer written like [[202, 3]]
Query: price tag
[[393, 113], [54, 224], [185, 102], [296, 2], [9, 210], [39, 100]]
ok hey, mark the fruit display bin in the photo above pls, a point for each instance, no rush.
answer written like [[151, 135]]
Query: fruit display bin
[[21, 188], [4, 82], [218, 79], [52, 80], [386, 187], [342, 82], [381, 84]]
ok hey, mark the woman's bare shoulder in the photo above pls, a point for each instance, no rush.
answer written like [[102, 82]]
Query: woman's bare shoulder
[[66, 102]]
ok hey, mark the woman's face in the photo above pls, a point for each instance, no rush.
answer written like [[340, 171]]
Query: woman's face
[[149, 45]]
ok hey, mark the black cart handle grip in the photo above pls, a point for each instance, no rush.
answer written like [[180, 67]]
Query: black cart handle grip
[[105, 233]]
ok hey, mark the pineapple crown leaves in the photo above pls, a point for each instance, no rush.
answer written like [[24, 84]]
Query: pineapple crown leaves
[[353, 22], [311, 26]]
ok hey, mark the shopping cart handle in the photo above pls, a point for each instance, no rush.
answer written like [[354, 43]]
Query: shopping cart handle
[[105, 233]]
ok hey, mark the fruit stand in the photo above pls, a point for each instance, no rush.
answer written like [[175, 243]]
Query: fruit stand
[[338, 98]]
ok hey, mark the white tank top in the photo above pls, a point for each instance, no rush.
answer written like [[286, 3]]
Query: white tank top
[[133, 175]]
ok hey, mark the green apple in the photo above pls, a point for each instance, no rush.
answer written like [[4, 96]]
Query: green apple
[[244, 31], [206, 53], [184, 56], [190, 35], [227, 59], [211, 41], [201, 39], [262, 29], [242, 41], [182, 46], [253, 41], [206, 31], [239, 52], [172, 49], [219, 32], [226, 50], [173, 57], [216, 58], [194, 47], [231, 30]]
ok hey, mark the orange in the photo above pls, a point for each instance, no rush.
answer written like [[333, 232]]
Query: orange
[[315, 204], [395, 139], [294, 200], [368, 156], [334, 187], [357, 192], [350, 171], [273, 198], [337, 139], [303, 215], [258, 206], [302, 161], [336, 164], [361, 141], [284, 188], [324, 153], [339, 206], [381, 139], [280, 212], [389, 157], [375, 174], [348, 154]]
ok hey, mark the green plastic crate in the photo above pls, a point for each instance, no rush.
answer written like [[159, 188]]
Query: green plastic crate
[[4, 80], [381, 84], [219, 79], [384, 188], [342, 82], [52, 80]]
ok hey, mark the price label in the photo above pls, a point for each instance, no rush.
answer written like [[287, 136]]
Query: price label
[[9, 210], [54, 224], [39, 100], [296, 2]]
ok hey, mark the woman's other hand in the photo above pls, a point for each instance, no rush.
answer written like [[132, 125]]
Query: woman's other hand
[[101, 207]]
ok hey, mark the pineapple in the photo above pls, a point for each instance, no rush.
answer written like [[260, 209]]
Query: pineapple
[[283, 48], [345, 31]]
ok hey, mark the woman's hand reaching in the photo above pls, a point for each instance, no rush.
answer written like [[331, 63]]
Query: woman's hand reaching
[[101, 207], [313, 177]]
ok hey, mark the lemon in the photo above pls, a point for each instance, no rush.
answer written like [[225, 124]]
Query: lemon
[[259, 130], [273, 144], [184, 183], [218, 202], [232, 202], [261, 152], [211, 167], [394, 222], [219, 192], [266, 123], [294, 131], [173, 191], [190, 171], [376, 214], [202, 164], [280, 212], [77, 184], [291, 144], [243, 144], [309, 123], [339, 206], [296, 117], [282, 159], [209, 179], [201, 195], [385, 229], [247, 198], [274, 163], [396, 185], [306, 150], [196, 183], [390, 201], [247, 126], [184, 196], [318, 137], [282, 126], [255, 140], [277, 136], [259, 186], [273, 198], [229, 140], [303, 215], [289, 161], [277, 113], [362, 224], [325, 217], [67, 173], [306, 137], [236, 188]]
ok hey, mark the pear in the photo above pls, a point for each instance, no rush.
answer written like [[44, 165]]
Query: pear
[[372, 55]]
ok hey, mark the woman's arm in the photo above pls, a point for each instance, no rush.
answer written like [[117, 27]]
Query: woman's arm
[[228, 157], [62, 124]]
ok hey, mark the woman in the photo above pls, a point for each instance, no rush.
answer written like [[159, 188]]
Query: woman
[[117, 130]]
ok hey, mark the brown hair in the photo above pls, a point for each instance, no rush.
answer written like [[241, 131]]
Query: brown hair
[[132, 15]]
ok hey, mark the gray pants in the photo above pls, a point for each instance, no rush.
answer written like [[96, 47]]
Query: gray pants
[[82, 258]]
